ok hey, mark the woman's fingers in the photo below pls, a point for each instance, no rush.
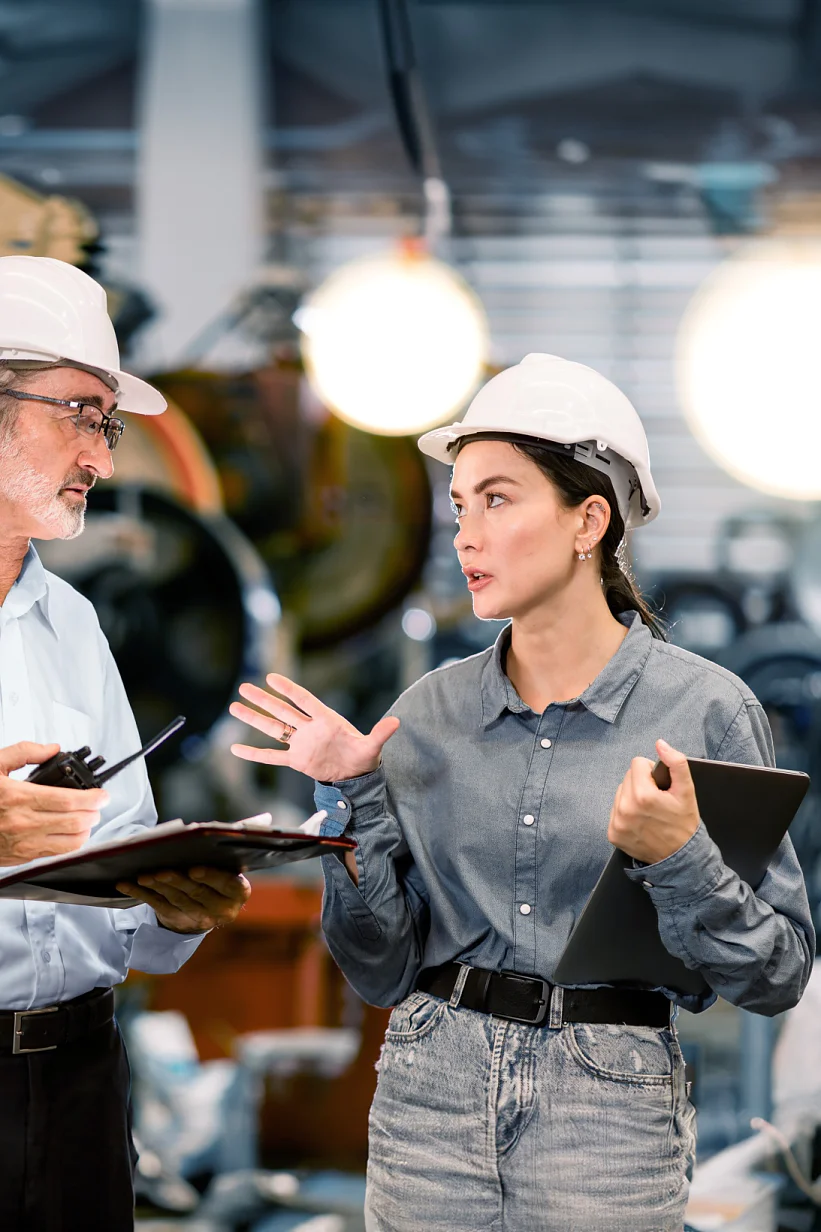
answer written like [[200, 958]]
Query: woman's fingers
[[274, 706], [273, 727], [268, 757], [295, 693], [325, 746]]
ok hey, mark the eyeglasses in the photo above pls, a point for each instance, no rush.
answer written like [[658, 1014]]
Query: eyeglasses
[[89, 419]]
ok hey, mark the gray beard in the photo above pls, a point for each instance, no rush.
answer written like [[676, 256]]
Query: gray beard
[[22, 485]]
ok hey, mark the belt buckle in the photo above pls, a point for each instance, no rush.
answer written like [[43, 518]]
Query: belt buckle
[[19, 1015], [544, 1001]]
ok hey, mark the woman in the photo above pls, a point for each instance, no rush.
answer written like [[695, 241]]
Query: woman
[[484, 807]]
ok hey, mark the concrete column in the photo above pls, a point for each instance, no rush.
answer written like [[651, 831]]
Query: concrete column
[[755, 1077], [199, 184]]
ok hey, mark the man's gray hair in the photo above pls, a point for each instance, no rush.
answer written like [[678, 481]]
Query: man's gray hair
[[17, 373]]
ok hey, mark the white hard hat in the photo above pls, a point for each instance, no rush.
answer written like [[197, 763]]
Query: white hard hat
[[51, 311], [555, 401]]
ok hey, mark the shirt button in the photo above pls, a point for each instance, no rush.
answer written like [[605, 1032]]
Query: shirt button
[[46, 957], [341, 804], [528, 819], [14, 699], [545, 743], [525, 908], [648, 885]]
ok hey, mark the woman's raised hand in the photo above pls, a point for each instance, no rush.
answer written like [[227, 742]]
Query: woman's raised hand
[[319, 742]]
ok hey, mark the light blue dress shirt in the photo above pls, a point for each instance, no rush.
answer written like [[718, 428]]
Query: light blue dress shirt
[[59, 683]]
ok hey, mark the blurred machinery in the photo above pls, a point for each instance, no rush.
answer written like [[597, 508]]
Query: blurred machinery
[[39, 226], [759, 614], [341, 517], [277, 1070], [64, 228]]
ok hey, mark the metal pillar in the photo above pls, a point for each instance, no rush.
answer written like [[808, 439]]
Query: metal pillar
[[199, 187], [756, 1045]]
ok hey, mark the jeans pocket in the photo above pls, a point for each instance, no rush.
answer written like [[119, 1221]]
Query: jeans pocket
[[641, 1056], [414, 1017]]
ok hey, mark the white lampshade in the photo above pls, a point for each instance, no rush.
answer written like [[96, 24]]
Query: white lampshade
[[748, 366], [394, 343]]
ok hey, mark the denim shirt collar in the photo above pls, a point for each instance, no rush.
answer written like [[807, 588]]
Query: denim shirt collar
[[604, 697], [30, 588]]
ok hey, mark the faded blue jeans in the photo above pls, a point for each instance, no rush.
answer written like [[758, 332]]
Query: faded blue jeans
[[483, 1125]]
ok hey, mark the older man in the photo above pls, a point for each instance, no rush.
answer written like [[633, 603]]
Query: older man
[[65, 1143]]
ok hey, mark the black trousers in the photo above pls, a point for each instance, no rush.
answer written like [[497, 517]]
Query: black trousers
[[66, 1154]]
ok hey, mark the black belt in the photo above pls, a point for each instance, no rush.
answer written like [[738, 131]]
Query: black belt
[[524, 998], [43, 1029]]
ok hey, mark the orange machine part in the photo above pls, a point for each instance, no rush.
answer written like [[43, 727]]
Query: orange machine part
[[271, 969], [167, 452]]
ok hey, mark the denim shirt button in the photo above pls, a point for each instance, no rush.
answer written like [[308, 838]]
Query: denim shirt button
[[341, 804], [528, 819], [525, 908], [545, 743]]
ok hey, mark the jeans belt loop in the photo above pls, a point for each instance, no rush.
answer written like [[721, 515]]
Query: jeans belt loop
[[556, 1008], [458, 987]]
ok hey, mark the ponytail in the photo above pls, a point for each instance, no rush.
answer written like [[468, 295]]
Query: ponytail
[[575, 482]]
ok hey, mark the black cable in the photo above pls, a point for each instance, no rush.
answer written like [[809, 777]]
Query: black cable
[[406, 89]]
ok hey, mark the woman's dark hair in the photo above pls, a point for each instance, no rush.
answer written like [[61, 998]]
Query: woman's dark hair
[[575, 482]]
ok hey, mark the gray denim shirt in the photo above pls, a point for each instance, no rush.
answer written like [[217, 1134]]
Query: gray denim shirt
[[484, 830]]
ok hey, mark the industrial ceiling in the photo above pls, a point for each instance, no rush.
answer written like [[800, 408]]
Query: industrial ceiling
[[522, 94]]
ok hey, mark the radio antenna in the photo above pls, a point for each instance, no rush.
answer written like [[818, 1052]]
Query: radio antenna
[[147, 748]]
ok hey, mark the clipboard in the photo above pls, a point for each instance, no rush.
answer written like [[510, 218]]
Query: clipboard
[[747, 811], [89, 877]]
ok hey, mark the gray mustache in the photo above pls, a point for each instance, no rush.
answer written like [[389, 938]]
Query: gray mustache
[[88, 478]]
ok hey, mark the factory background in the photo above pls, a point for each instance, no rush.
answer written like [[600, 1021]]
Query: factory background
[[633, 184]]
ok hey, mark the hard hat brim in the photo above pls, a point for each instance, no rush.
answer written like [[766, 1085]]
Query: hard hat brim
[[137, 396], [438, 444], [133, 394]]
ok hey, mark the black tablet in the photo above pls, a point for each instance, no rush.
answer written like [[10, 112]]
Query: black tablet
[[747, 810]]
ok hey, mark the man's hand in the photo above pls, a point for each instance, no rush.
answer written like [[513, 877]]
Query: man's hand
[[40, 821], [650, 824], [194, 903]]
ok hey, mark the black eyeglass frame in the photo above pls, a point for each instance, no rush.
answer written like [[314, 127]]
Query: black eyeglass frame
[[110, 426]]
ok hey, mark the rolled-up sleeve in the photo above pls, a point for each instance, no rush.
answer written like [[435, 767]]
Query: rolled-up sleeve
[[375, 930], [754, 947]]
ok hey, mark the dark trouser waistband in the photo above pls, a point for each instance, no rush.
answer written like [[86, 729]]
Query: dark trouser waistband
[[40, 1030], [526, 999]]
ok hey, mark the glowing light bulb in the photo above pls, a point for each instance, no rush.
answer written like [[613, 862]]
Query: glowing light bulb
[[394, 343], [747, 366]]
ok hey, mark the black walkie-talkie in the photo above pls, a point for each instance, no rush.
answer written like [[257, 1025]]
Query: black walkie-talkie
[[76, 770]]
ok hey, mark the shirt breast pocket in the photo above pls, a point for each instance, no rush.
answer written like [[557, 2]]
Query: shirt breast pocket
[[69, 728]]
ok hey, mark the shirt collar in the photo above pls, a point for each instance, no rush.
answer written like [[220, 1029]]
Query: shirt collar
[[604, 697], [30, 588]]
